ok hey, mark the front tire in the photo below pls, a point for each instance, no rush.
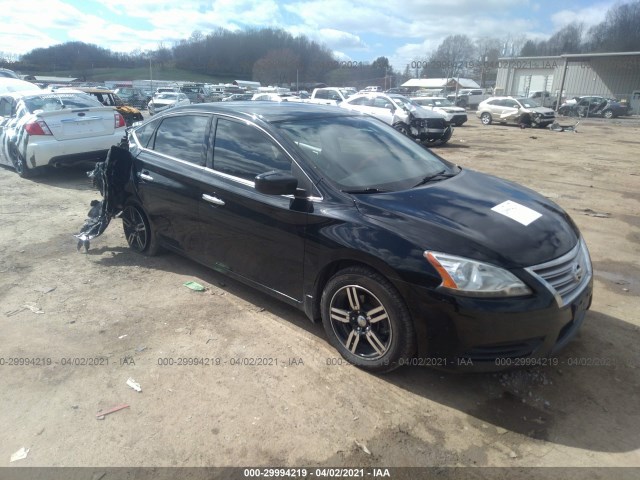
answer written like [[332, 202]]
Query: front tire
[[486, 119], [137, 230], [402, 128], [607, 114], [366, 320]]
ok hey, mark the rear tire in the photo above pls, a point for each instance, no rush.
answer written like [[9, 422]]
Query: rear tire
[[20, 165], [138, 231], [366, 320]]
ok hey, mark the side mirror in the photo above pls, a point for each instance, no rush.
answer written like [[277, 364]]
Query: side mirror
[[276, 183]]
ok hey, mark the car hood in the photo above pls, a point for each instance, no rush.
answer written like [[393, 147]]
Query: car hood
[[163, 102], [542, 110], [455, 216], [421, 112], [450, 109]]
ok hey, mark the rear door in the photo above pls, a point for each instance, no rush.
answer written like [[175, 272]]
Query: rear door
[[168, 173]]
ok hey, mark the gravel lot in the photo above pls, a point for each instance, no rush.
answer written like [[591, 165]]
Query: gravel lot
[[135, 316]]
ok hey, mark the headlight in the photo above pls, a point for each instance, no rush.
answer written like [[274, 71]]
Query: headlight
[[464, 276]]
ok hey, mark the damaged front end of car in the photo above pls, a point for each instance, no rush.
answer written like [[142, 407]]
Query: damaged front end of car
[[429, 130]]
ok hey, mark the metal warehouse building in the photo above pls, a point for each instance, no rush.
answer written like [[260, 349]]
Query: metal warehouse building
[[611, 75]]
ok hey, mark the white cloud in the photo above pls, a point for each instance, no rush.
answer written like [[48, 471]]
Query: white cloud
[[589, 15]]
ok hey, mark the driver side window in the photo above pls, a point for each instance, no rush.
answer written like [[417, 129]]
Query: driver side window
[[243, 151]]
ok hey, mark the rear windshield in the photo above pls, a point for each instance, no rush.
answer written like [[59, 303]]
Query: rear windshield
[[60, 101]]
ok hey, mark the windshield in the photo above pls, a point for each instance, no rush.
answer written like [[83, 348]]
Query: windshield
[[360, 153], [346, 93], [53, 102], [167, 96], [403, 102], [442, 102], [528, 103]]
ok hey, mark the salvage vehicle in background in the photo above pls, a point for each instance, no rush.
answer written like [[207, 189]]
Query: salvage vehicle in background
[[468, 97], [593, 106], [41, 128], [238, 97], [133, 96], [452, 114], [407, 117], [110, 99], [196, 93], [543, 98], [329, 95], [6, 73], [9, 84], [518, 110], [165, 100], [398, 252]]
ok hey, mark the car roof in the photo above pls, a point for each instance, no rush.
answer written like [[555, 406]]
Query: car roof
[[8, 85], [6, 73], [269, 111], [84, 89], [39, 93]]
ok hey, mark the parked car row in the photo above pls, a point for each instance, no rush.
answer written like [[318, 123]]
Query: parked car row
[[396, 251]]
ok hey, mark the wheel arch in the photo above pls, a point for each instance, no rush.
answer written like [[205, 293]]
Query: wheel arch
[[335, 265]]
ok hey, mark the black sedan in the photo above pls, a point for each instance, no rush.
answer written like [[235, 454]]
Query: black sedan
[[593, 107], [404, 257]]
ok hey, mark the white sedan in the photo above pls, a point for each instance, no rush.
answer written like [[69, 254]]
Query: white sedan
[[165, 100], [40, 128]]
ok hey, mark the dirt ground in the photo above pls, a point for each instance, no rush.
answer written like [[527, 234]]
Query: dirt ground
[[128, 316]]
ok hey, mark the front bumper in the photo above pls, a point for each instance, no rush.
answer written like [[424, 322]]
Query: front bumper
[[484, 335]]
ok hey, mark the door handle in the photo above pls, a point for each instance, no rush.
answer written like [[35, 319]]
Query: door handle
[[211, 199], [144, 176]]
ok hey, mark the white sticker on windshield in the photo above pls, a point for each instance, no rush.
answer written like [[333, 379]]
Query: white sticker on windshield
[[517, 212]]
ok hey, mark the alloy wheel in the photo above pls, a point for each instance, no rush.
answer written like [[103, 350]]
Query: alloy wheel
[[360, 322], [136, 230]]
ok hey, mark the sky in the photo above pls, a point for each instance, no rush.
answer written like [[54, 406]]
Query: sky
[[357, 30]]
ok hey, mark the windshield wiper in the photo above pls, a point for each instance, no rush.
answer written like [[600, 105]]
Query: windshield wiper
[[366, 190], [435, 176]]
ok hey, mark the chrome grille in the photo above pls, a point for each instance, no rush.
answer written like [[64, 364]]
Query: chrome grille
[[566, 276]]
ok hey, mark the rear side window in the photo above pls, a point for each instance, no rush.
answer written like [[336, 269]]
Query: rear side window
[[183, 137], [243, 151], [365, 101], [144, 133]]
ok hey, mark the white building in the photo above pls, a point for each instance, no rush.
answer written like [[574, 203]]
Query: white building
[[611, 75]]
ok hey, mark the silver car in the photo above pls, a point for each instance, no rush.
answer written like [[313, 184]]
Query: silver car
[[163, 101], [430, 128], [523, 111]]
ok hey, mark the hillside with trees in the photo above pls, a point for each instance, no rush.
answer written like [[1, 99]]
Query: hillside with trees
[[274, 56]]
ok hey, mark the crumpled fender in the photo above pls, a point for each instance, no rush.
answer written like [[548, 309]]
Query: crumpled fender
[[110, 177]]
